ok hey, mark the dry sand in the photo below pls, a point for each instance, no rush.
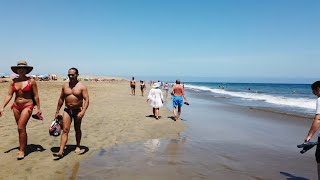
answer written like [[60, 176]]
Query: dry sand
[[114, 117]]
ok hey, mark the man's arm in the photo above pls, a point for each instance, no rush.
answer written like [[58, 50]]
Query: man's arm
[[85, 106], [314, 127], [183, 95], [172, 90], [60, 102]]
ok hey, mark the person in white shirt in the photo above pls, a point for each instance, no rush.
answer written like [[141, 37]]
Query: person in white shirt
[[155, 98], [316, 123]]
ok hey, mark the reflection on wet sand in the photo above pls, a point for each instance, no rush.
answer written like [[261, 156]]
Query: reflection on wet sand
[[151, 146], [174, 150], [150, 149], [74, 171]]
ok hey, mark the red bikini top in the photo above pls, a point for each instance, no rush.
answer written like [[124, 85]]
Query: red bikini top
[[25, 89]]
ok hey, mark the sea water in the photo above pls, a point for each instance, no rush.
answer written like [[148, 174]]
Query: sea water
[[296, 99]]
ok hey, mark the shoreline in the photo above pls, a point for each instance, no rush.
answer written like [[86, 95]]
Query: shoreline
[[232, 142]]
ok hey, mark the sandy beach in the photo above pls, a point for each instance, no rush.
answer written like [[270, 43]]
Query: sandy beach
[[114, 117]]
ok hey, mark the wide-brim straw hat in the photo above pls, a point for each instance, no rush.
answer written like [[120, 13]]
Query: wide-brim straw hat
[[21, 64], [155, 85]]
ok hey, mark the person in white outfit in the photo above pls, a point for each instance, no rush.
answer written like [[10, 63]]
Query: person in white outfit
[[155, 99], [316, 123]]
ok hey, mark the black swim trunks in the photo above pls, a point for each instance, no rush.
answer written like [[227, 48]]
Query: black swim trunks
[[72, 112], [133, 86], [318, 152]]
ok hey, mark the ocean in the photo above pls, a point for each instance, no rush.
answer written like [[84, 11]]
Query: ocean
[[295, 99]]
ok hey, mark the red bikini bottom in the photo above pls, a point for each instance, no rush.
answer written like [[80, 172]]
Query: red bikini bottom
[[20, 108]]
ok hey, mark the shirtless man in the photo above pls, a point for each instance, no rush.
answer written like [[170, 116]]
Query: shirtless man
[[178, 96], [76, 98], [133, 86], [142, 87]]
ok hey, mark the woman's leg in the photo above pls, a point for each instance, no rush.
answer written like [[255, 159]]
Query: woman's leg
[[22, 119], [157, 113]]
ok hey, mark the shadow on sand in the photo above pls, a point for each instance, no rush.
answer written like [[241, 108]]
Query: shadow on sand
[[68, 149], [152, 116], [292, 177], [174, 119], [30, 148]]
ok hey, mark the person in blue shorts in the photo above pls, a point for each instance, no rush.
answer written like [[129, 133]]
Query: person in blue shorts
[[178, 96]]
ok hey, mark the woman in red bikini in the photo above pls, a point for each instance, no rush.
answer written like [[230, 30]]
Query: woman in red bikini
[[26, 92]]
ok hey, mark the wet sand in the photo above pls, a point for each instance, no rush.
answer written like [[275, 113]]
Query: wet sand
[[222, 141], [114, 117]]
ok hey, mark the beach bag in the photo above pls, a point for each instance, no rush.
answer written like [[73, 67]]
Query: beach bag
[[56, 126]]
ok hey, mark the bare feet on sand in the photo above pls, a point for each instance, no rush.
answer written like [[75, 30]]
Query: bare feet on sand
[[20, 155], [60, 155], [78, 150]]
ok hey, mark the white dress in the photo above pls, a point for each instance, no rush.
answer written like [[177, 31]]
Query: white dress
[[155, 98]]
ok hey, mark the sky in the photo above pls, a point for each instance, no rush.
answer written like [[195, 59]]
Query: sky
[[206, 40]]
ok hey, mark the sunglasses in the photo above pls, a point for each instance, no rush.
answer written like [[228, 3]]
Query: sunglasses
[[71, 75]]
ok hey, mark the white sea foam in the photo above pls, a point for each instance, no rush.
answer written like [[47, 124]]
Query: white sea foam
[[278, 100]]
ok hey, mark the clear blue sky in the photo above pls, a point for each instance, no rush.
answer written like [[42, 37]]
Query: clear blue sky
[[247, 40]]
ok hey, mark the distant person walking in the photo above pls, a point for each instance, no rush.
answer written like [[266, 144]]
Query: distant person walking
[[178, 96], [155, 98], [166, 88], [142, 87], [316, 123], [76, 98], [133, 86], [26, 97]]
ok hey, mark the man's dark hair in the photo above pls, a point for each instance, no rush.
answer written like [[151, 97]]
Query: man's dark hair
[[132, 78], [315, 85], [75, 69], [177, 81]]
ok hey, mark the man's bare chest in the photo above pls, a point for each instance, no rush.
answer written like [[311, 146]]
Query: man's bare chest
[[73, 91]]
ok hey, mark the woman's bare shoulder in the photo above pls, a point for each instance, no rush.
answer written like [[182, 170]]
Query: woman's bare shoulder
[[14, 80], [32, 80]]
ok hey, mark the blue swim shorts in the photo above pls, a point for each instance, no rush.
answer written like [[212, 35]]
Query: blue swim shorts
[[177, 101]]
